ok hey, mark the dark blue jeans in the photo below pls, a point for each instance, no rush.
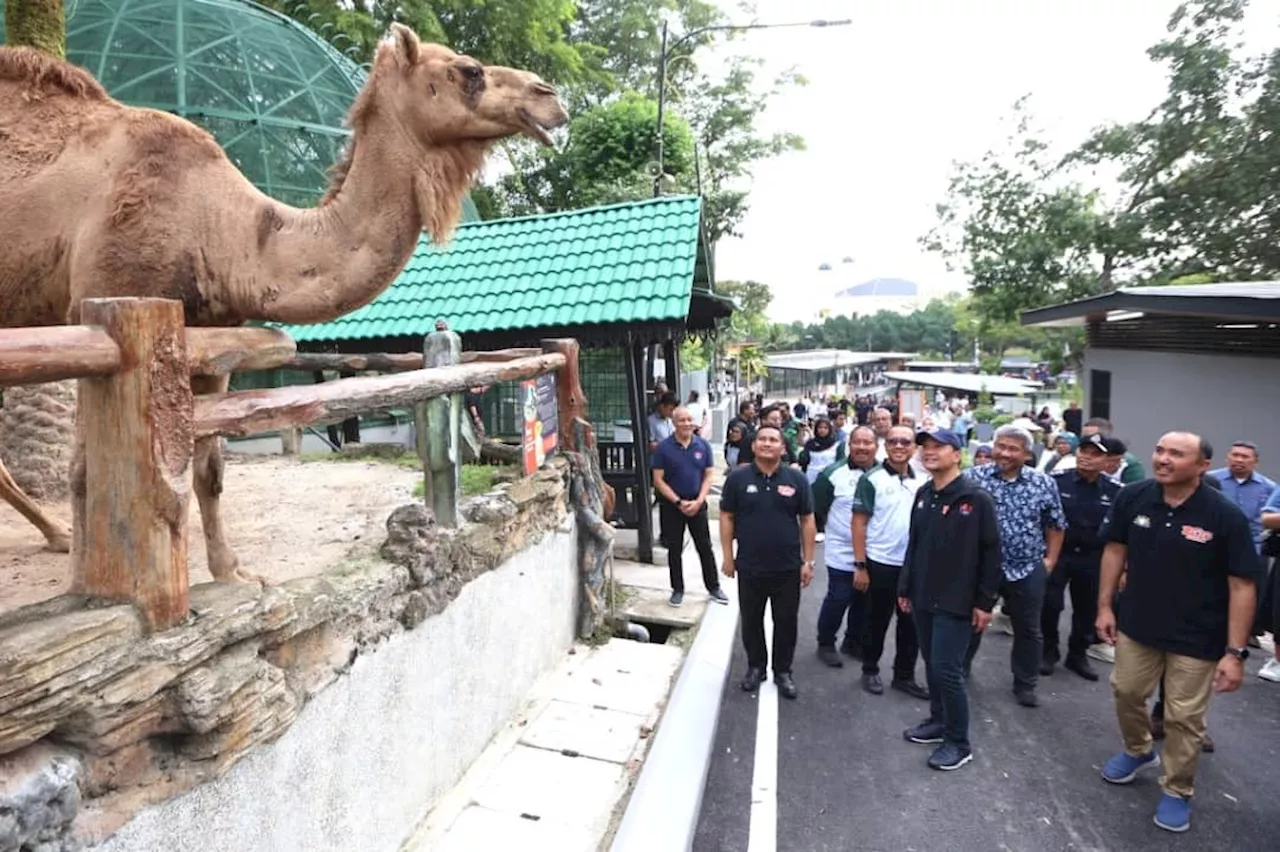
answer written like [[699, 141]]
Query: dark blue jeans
[[944, 639], [841, 598]]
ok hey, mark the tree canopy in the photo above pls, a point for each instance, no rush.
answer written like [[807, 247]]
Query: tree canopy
[[1198, 192]]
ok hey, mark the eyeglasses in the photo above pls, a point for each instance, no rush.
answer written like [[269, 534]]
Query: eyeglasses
[[898, 442]]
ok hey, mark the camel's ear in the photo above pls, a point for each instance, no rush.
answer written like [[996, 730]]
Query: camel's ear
[[406, 43]]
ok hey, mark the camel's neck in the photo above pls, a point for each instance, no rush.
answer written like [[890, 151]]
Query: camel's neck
[[316, 265]]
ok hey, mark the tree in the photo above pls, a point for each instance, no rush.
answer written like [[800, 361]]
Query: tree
[[41, 24], [605, 161], [1022, 233], [36, 421], [1199, 174]]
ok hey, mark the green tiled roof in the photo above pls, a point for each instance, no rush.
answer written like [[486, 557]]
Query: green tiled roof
[[623, 263]]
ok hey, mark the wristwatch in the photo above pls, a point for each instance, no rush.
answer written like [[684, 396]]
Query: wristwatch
[[1239, 653], [859, 566]]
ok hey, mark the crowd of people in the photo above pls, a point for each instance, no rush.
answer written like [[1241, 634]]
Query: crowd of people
[[944, 538]]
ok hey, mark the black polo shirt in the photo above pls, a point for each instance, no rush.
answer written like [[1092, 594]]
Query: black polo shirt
[[683, 468], [766, 512], [1086, 505], [1176, 595]]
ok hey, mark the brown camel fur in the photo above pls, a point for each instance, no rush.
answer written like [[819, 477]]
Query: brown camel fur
[[98, 199]]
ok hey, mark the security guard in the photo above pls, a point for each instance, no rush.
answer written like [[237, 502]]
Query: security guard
[[1086, 498]]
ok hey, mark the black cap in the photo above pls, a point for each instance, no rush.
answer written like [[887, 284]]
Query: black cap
[[1107, 444]]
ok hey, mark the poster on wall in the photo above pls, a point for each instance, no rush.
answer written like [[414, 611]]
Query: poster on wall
[[541, 416], [911, 402]]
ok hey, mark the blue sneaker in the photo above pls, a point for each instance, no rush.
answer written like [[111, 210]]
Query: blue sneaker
[[1123, 768], [1173, 813]]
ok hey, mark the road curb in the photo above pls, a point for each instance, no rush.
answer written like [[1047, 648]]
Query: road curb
[[662, 813]]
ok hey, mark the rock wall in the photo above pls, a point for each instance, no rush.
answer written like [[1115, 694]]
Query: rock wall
[[99, 720]]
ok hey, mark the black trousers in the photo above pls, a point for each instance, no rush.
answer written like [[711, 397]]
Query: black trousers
[[1081, 575], [882, 604], [672, 524], [1023, 600], [781, 592]]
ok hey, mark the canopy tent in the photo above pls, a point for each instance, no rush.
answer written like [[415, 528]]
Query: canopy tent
[[968, 383]]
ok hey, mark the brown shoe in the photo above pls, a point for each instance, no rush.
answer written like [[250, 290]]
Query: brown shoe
[[1206, 744]]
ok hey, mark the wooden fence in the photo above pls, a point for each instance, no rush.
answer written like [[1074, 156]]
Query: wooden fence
[[137, 422]]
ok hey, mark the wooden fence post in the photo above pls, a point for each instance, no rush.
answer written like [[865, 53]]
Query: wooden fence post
[[137, 427], [439, 428], [570, 400]]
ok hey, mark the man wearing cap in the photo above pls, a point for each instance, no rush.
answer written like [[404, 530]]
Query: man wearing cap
[[1031, 531], [1086, 497], [948, 583]]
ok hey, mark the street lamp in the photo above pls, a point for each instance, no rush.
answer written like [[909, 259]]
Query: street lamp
[[662, 69]]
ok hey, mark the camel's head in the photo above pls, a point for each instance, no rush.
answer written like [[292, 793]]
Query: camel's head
[[451, 98]]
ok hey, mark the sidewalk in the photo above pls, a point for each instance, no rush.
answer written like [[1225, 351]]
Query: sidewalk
[[559, 775], [553, 777]]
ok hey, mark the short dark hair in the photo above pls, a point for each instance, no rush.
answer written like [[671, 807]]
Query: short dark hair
[[862, 427], [1102, 424], [1206, 449], [1248, 445], [668, 398], [762, 427], [744, 405]]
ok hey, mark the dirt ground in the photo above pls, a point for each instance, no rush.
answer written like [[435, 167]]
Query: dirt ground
[[285, 518]]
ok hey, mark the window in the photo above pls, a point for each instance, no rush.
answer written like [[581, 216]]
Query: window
[[1100, 393]]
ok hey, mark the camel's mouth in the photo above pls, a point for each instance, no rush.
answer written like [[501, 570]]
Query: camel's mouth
[[538, 130]]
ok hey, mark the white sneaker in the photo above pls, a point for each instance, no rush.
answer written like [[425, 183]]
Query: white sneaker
[[1001, 622], [1271, 671], [1102, 651], [1268, 643], [820, 538]]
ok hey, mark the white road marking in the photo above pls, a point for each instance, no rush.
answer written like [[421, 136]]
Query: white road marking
[[763, 834]]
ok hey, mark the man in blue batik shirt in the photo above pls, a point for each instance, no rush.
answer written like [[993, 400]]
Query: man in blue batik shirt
[[1032, 523]]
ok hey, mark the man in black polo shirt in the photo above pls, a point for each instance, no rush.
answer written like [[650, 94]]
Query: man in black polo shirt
[[1184, 616], [682, 468], [768, 508]]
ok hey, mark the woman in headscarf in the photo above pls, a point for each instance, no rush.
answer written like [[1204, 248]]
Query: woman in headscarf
[[981, 455], [821, 451], [1063, 456]]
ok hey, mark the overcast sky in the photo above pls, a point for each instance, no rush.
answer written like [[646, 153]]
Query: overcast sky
[[894, 98]]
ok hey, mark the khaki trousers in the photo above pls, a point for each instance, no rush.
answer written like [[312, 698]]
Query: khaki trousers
[[1188, 683]]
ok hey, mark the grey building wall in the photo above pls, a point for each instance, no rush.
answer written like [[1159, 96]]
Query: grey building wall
[[1223, 397]]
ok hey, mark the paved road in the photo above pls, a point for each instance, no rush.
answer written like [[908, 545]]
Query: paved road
[[848, 781]]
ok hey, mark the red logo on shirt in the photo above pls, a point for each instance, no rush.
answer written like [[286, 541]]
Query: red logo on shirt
[[697, 454], [1196, 534], [966, 509], [786, 491]]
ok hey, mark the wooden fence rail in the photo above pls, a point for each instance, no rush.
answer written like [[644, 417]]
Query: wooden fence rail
[[138, 422]]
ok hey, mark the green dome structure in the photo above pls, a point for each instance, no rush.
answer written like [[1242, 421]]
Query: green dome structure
[[273, 93]]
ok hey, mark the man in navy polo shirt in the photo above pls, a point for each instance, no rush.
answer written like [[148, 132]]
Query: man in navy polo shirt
[[682, 469]]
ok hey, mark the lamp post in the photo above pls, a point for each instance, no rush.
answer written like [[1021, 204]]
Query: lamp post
[[666, 49]]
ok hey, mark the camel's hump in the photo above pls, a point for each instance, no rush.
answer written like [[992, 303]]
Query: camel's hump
[[48, 75]]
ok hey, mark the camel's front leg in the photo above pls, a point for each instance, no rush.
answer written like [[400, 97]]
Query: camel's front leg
[[208, 472], [56, 534]]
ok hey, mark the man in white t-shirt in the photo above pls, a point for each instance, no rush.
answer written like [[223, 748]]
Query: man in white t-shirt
[[698, 411]]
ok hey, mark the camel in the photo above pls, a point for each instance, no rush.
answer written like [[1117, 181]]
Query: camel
[[98, 199]]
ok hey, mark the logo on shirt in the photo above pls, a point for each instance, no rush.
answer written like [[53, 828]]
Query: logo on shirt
[[697, 454], [966, 509], [1197, 534], [786, 490], [1141, 521], [751, 489]]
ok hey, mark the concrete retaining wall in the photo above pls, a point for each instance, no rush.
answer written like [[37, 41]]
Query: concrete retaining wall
[[372, 753]]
